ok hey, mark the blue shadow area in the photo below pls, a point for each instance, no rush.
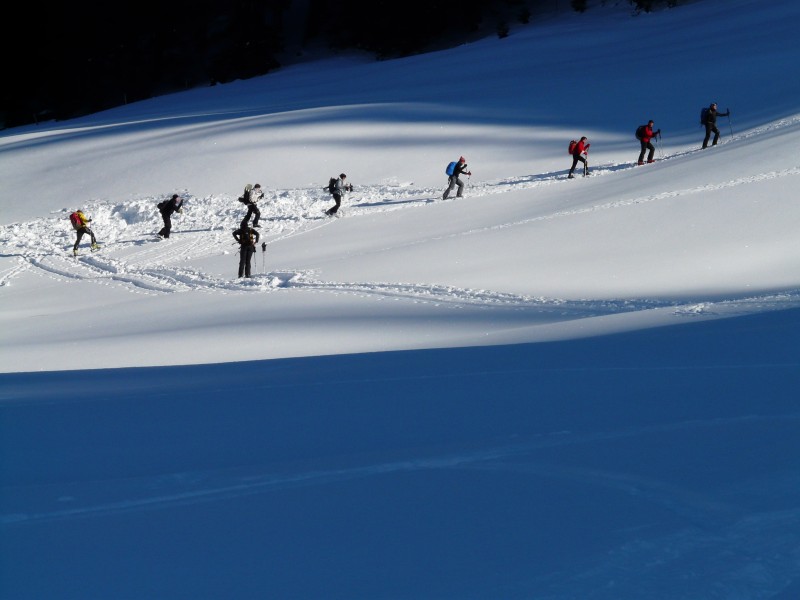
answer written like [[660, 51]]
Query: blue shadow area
[[510, 471]]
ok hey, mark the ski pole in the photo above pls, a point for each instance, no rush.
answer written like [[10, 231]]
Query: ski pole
[[729, 122]]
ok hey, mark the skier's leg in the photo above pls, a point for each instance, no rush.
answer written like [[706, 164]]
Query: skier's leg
[[249, 259], [241, 261], [716, 135], [451, 182], [460, 185], [641, 152], [651, 153], [78, 239], [338, 200], [708, 135]]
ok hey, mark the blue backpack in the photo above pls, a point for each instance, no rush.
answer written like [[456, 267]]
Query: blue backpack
[[451, 168]]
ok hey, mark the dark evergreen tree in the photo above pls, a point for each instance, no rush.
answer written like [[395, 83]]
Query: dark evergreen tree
[[578, 5], [71, 59]]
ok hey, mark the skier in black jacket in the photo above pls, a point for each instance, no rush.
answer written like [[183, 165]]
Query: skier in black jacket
[[167, 207], [711, 124], [247, 238]]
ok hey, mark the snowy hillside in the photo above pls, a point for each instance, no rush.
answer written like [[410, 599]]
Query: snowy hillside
[[526, 256], [548, 388]]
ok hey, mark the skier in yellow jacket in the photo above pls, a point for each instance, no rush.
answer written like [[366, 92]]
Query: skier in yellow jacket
[[80, 222]]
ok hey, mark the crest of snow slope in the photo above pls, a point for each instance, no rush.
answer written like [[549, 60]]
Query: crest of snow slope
[[525, 256]]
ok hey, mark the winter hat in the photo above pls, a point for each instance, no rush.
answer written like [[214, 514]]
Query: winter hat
[[342, 175], [258, 185], [462, 159]]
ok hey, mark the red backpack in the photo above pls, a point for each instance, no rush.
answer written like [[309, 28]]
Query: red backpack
[[572, 145], [75, 219]]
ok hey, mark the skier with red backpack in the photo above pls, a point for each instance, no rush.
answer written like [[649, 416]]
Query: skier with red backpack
[[578, 150], [80, 222], [644, 133]]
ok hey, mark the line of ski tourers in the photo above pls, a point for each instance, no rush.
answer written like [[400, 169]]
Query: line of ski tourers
[[247, 236]]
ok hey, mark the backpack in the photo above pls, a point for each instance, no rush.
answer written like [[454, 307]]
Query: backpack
[[572, 145], [245, 198], [75, 220], [703, 115], [451, 168], [640, 132], [331, 185]]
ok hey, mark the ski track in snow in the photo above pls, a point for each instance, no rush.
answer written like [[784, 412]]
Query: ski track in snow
[[134, 258], [184, 488], [721, 526]]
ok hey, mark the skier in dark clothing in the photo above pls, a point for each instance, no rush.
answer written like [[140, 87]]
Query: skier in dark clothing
[[167, 207], [454, 179], [247, 238], [577, 155], [251, 196], [339, 188], [711, 124], [647, 135]]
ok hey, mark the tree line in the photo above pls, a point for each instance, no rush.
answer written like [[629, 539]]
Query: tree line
[[74, 59]]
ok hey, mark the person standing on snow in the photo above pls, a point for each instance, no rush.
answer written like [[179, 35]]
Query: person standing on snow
[[80, 222], [580, 149], [167, 208], [711, 124], [339, 189], [247, 238], [454, 179], [644, 141], [251, 196]]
